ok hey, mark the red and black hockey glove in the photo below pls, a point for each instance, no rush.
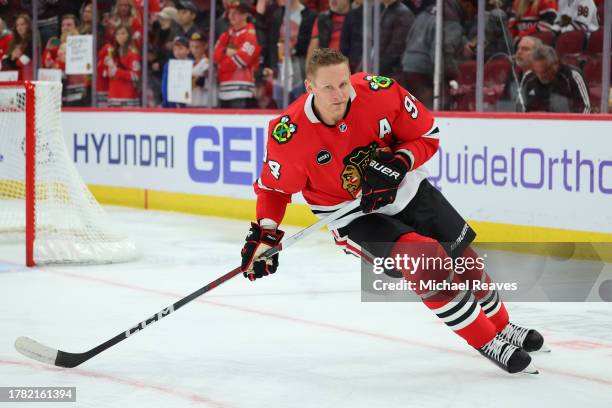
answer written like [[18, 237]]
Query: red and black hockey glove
[[259, 241], [381, 179]]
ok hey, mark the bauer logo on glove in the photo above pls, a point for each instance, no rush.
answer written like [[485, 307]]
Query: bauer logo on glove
[[382, 178]]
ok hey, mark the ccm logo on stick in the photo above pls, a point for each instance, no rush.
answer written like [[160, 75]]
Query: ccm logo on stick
[[384, 169]]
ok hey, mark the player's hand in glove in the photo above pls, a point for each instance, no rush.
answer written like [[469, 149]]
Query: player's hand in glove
[[381, 179], [258, 241]]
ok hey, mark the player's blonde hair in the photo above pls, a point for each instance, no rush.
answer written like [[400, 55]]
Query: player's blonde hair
[[324, 57]]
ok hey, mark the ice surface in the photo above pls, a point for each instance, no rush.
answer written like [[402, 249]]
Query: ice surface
[[301, 338]]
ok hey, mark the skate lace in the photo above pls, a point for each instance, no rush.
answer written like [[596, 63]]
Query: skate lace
[[499, 350], [514, 334]]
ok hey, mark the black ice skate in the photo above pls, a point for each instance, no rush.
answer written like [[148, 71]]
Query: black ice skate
[[528, 339], [510, 358]]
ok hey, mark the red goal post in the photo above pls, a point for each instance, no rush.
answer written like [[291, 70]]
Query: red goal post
[[44, 203]]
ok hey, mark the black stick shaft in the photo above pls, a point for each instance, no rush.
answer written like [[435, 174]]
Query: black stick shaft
[[72, 360]]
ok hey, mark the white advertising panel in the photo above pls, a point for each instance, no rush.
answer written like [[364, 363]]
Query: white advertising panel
[[548, 173]]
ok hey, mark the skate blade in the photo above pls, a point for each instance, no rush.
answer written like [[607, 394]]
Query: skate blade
[[543, 349], [530, 369]]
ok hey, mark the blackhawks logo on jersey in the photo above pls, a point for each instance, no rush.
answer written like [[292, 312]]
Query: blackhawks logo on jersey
[[378, 82], [354, 165], [284, 130]]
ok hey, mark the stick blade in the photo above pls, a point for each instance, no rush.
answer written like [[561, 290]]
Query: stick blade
[[36, 351]]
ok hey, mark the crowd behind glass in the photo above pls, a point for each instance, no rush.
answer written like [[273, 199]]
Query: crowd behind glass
[[539, 55]]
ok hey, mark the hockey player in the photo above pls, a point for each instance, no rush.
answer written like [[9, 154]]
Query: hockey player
[[365, 137]]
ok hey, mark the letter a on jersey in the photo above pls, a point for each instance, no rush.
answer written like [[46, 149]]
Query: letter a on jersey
[[284, 130]]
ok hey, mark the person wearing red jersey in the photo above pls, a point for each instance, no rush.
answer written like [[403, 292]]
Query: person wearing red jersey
[[5, 39], [19, 52], [237, 57], [364, 137], [121, 66], [530, 16]]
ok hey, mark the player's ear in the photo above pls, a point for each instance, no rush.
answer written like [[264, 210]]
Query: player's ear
[[308, 86]]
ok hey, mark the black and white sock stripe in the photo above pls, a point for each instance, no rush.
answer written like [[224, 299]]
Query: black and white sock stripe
[[460, 312], [491, 303]]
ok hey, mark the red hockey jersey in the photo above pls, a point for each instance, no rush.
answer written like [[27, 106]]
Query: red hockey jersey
[[237, 73], [326, 163], [532, 20]]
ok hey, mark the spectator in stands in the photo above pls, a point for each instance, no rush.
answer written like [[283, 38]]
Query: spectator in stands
[[123, 70], [102, 76], [237, 57], [86, 15], [395, 22], [530, 16], [554, 87], [222, 23], [187, 14], [576, 15], [198, 46], [9, 9], [351, 38], [317, 5], [418, 59], [203, 13], [524, 49], [19, 53], [5, 40], [180, 51], [75, 90], [496, 32], [327, 28], [49, 13], [125, 14], [68, 27], [301, 21], [522, 58], [165, 29]]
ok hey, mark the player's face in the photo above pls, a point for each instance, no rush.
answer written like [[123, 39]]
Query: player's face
[[331, 87]]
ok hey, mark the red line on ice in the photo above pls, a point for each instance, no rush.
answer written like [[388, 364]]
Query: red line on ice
[[325, 325]]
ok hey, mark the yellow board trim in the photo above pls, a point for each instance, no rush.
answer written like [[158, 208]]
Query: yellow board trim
[[300, 215]]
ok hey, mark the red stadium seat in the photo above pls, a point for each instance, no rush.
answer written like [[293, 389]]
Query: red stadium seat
[[496, 74], [547, 37], [464, 96], [595, 43], [592, 75], [569, 46]]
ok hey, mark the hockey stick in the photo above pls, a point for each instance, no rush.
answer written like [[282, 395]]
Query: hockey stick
[[37, 351]]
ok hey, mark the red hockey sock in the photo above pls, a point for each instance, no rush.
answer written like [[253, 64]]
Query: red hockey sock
[[459, 310], [489, 300]]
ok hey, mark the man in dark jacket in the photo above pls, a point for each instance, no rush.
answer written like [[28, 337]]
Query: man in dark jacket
[[554, 87], [395, 22]]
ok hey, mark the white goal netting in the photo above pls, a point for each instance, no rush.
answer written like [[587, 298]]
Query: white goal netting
[[68, 224]]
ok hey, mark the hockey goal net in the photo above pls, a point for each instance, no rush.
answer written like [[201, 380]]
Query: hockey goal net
[[43, 201]]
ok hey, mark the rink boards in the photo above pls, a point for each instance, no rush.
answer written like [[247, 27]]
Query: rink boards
[[517, 178]]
